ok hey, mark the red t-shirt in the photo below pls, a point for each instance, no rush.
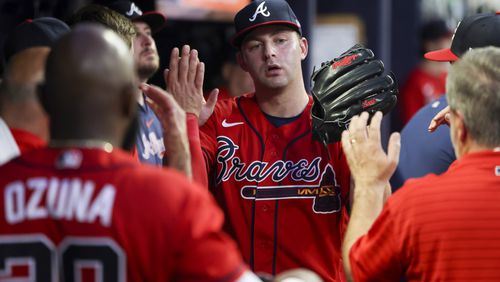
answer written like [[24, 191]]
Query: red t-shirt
[[437, 228], [283, 193], [420, 89], [91, 212]]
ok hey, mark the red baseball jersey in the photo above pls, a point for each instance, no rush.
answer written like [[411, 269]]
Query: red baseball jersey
[[420, 89], [89, 215], [437, 228], [283, 194]]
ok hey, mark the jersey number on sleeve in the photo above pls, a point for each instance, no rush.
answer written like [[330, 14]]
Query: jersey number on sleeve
[[45, 261]]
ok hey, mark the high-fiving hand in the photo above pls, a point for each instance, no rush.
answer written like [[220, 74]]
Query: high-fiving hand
[[184, 79], [369, 164]]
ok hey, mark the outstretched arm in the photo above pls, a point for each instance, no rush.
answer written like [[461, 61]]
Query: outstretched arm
[[371, 169], [184, 79]]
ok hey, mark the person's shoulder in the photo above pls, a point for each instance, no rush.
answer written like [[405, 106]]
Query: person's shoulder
[[419, 123], [415, 188]]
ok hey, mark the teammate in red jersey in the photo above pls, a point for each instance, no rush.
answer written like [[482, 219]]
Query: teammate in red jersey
[[438, 228], [23, 122], [85, 210], [284, 195]]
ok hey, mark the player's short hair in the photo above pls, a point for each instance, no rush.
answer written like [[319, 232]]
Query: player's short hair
[[107, 17], [473, 88]]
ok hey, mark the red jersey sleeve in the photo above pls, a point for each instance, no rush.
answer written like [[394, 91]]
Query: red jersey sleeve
[[197, 163], [378, 255], [208, 132]]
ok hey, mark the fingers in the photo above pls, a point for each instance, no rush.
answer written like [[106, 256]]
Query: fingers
[[393, 149], [200, 75], [193, 65], [357, 128], [184, 63], [161, 98], [443, 117], [346, 142], [374, 128], [174, 64]]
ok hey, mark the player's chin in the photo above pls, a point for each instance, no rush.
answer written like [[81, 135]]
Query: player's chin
[[276, 80]]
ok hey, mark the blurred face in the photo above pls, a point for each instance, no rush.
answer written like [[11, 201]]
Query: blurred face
[[272, 56], [145, 54]]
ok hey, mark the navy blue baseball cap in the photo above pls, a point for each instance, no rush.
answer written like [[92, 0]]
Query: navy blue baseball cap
[[261, 13], [155, 20], [40, 32], [476, 31]]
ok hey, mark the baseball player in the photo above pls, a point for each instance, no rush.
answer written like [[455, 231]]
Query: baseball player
[[284, 195], [83, 209], [150, 141]]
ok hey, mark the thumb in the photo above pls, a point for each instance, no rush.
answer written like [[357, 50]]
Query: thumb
[[212, 99]]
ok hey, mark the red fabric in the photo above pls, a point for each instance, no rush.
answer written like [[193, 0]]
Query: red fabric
[[420, 89], [197, 163], [437, 228], [26, 141], [167, 228], [298, 192]]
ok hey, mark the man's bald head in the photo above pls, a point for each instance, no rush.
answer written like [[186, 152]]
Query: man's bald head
[[90, 85]]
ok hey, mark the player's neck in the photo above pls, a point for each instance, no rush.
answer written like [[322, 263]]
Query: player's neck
[[81, 143], [140, 96], [282, 102]]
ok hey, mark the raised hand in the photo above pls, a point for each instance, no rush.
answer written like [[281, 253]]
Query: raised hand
[[370, 166], [184, 79], [173, 120]]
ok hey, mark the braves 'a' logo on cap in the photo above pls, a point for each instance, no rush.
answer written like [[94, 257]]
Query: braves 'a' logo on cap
[[261, 9], [133, 8]]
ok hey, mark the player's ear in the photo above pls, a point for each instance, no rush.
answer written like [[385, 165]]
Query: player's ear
[[304, 47], [241, 61], [458, 119]]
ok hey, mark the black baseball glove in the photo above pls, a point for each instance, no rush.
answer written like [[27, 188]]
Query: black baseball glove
[[345, 87]]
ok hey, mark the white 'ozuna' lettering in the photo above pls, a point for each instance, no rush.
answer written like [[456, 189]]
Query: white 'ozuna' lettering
[[70, 199]]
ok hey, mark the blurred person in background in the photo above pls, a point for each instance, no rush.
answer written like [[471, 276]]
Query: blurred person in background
[[426, 81], [421, 151], [24, 125]]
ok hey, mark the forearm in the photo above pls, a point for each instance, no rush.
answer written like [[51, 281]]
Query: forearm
[[178, 153], [368, 201], [197, 161]]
